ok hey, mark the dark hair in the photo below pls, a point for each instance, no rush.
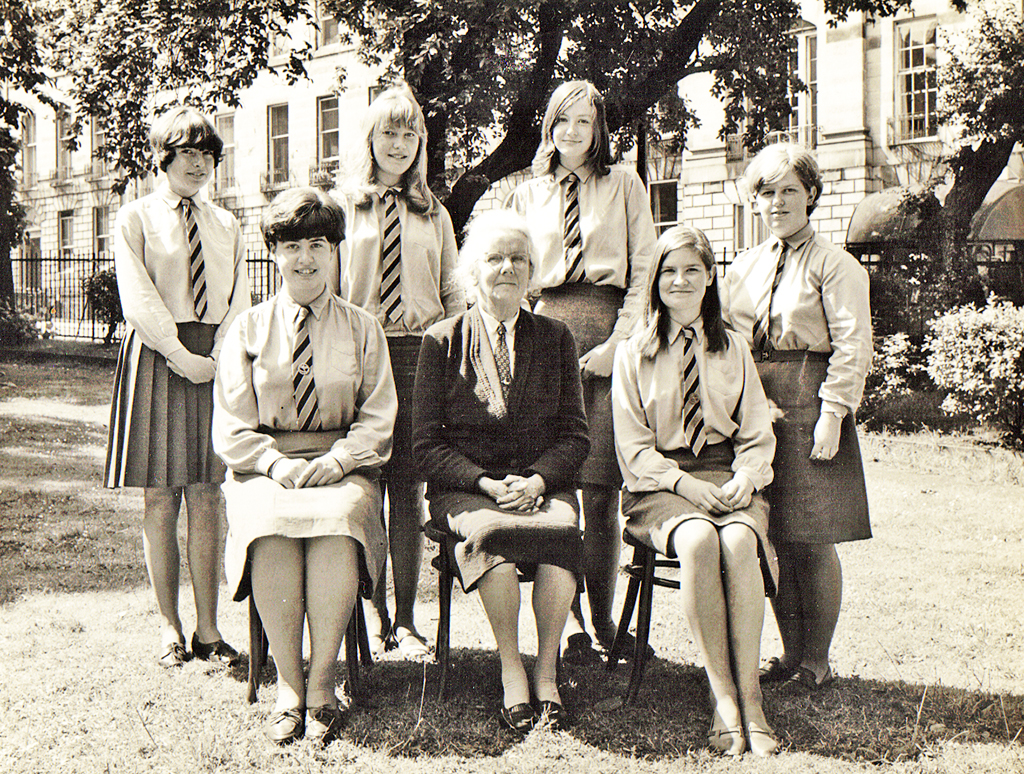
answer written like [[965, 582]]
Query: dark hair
[[183, 127], [396, 106], [599, 155], [302, 213], [651, 330], [773, 162]]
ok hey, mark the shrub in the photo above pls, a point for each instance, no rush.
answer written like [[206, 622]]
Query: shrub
[[101, 292], [15, 328], [897, 372], [977, 357]]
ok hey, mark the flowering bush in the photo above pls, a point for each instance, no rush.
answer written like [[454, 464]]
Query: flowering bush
[[15, 328], [101, 292], [977, 356], [897, 372]]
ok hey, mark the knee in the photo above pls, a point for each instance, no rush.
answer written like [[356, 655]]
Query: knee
[[738, 540], [696, 540]]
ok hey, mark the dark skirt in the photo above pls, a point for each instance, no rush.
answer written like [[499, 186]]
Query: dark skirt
[[404, 351], [813, 501], [258, 506], [590, 312], [160, 422], [652, 516], [488, 536]]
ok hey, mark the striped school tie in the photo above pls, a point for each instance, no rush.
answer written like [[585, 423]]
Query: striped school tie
[[503, 361], [197, 269], [762, 325], [571, 239], [693, 417], [391, 260], [302, 375]]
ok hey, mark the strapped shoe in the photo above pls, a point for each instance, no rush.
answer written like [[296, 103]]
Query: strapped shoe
[[774, 671], [553, 715], [325, 723], [218, 652], [174, 656], [520, 718], [285, 725]]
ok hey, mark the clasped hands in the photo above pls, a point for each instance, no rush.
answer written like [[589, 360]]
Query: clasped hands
[[196, 368], [515, 493], [298, 473], [734, 494]]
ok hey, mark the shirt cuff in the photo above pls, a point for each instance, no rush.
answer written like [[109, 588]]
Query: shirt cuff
[[266, 460], [168, 345], [669, 479], [829, 407]]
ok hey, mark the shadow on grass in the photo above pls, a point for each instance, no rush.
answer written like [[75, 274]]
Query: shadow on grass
[[854, 719]]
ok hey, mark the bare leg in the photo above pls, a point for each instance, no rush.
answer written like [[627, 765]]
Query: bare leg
[[744, 593], [787, 606], [278, 583], [499, 593], [204, 555], [332, 580], [553, 592], [821, 594], [700, 577], [601, 547], [160, 547]]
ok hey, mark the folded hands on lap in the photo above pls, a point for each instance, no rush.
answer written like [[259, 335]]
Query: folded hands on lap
[[515, 493], [734, 494], [298, 473]]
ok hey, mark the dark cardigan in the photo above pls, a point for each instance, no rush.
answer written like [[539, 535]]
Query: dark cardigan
[[456, 440]]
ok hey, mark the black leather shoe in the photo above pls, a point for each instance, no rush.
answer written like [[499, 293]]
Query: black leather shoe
[[325, 724], [285, 726], [174, 656], [553, 715], [218, 652], [520, 718]]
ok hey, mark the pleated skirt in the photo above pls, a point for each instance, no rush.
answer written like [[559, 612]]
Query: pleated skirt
[[652, 516], [159, 432], [258, 506], [590, 312], [488, 536], [813, 501]]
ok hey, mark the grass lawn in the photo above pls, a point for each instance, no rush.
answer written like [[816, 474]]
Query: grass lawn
[[930, 646]]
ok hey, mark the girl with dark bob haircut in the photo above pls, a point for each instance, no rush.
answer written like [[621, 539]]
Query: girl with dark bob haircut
[[183, 127], [302, 213]]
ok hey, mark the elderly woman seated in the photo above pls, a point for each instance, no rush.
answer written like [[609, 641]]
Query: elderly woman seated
[[304, 410], [499, 433]]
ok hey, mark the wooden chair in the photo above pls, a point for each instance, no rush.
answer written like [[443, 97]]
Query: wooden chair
[[357, 644], [447, 572], [642, 581]]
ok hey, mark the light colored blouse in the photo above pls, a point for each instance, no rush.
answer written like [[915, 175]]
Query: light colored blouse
[[615, 224], [821, 304], [151, 258], [355, 390], [429, 254], [647, 408]]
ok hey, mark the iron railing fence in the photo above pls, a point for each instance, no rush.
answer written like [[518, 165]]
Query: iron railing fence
[[50, 288]]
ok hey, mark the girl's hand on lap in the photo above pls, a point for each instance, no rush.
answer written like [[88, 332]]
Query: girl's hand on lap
[[321, 471], [739, 490], [599, 360], [703, 494], [826, 436], [287, 472]]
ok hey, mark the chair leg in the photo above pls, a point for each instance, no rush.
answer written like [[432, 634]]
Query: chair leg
[[352, 652], [258, 648], [442, 654], [643, 626], [628, 605], [362, 636]]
